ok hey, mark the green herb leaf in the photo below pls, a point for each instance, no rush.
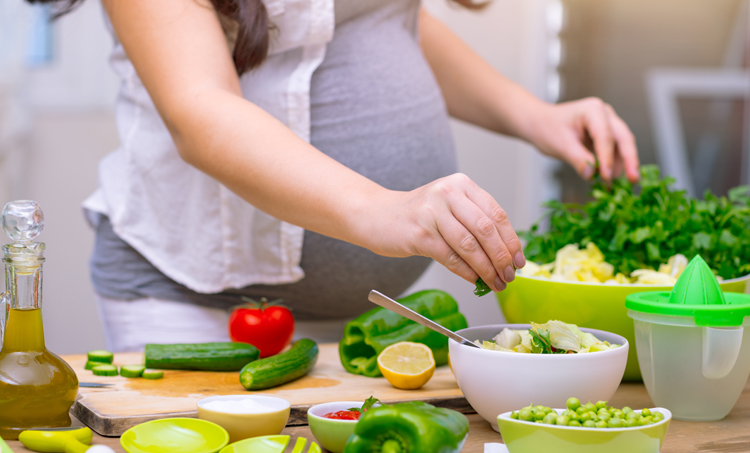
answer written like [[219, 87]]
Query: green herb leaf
[[702, 240], [481, 288], [540, 342], [369, 402]]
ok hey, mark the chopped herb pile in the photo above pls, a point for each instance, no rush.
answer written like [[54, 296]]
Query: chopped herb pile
[[640, 226]]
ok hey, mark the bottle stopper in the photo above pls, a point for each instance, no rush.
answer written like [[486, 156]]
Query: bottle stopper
[[22, 220]]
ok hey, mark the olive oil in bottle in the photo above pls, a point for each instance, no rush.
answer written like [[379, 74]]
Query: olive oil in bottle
[[37, 387]]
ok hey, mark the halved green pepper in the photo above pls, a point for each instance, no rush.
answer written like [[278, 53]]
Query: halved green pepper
[[366, 336], [414, 427]]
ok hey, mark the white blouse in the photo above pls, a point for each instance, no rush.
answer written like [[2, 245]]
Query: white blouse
[[187, 224]]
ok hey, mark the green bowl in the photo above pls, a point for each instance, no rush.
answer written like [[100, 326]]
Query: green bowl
[[184, 435], [331, 434], [592, 305], [529, 437]]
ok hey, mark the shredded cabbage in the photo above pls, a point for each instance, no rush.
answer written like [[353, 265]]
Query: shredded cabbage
[[553, 337]]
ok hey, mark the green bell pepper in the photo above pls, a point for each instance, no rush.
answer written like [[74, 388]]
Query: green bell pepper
[[366, 336], [414, 427]]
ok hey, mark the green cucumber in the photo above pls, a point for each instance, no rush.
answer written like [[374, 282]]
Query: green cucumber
[[200, 356], [90, 365], [281, 368], [105, 370], [132, 371], [152, 374], [100, 355]]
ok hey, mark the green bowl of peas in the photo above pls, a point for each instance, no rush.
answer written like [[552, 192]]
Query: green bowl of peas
[[584, 428]]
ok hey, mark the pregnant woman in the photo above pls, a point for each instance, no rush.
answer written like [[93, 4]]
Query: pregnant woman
[[300, 149]]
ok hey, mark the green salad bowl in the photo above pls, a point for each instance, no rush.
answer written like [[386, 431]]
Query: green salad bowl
[[529, 437], [592, 305]]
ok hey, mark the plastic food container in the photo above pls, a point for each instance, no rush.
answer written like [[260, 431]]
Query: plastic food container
[[692, 351]]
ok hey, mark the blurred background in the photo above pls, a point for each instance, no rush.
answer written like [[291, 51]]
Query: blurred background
[[673, 69]]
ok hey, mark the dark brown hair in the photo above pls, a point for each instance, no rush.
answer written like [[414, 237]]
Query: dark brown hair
[[245, 20]]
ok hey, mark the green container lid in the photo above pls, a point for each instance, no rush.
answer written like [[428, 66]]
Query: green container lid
[[696, 294]]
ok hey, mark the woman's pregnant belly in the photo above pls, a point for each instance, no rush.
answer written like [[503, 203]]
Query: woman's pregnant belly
[[376, 108]]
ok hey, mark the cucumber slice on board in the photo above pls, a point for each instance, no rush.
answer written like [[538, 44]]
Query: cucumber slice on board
[[153, 374], [100, 355], [105, 370], [90, 365], [132, 371]]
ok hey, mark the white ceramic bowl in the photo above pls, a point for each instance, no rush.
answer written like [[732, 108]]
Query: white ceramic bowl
[[494, 382], [243, 425]]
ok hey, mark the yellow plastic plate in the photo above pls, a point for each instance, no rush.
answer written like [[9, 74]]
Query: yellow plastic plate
[[270, 444], [169, 435]]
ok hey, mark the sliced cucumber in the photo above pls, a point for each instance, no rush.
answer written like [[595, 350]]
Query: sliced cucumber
[[152, 374], [90, 365], [100, 355], [105, 370], [132, 371], [281, 368]]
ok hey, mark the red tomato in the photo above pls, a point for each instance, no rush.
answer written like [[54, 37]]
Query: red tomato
[[267, 326], [343, 415]]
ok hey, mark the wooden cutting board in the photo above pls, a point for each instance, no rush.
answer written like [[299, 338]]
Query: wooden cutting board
[[111, 411]]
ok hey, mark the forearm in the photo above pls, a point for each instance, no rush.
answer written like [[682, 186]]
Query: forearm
[[473, 90], [264, 162], [180, 53]]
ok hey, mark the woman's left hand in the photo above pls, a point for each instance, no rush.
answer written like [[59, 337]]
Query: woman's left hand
[[579, 131]]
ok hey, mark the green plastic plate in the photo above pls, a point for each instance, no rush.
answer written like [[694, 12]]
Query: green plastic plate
[[169, 435]]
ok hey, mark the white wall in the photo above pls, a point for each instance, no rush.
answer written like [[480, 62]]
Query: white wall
[[73, 128], [71, 104]]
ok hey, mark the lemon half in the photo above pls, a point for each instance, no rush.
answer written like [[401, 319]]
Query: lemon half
[[407, 365]]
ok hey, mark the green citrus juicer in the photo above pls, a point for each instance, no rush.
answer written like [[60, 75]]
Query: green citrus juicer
[[693, 355], [61, 440]]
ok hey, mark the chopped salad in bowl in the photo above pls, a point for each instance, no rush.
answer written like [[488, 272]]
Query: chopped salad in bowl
[[553, 337]]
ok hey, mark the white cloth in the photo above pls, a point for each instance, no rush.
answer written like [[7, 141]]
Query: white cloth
[[129, 325], [188, 225]]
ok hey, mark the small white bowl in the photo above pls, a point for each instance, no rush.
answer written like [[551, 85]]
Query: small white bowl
[[494, 382], [243, 425]]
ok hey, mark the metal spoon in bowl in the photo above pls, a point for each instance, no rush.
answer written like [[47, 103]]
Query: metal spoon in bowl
[[384, 301]]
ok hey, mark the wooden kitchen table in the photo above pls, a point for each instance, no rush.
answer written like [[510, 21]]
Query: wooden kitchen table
[[729, 435]]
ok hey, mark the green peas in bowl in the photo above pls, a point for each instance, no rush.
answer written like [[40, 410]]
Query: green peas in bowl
[[589, 428]]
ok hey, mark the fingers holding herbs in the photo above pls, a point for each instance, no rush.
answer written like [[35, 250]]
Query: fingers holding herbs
[[463, 228]]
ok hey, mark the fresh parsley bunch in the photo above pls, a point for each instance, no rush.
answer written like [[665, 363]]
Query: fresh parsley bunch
[[640, 226]]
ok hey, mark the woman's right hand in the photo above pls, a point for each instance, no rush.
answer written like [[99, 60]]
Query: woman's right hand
[[455, 222]]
